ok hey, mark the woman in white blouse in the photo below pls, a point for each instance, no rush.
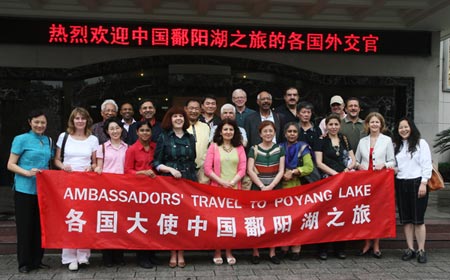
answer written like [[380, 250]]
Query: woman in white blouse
[[374, 152], [76, 151], [413, 171]]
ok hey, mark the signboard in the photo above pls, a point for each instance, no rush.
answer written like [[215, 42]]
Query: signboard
[[63, 32], [88, 210]]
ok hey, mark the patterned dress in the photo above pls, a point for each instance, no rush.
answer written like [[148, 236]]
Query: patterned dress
[[267, 163], [178, 153]]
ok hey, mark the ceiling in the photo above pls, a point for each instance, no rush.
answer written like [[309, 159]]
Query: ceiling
[[430, 15]]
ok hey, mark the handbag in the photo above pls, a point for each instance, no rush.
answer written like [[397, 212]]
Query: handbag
[[314, 175], [436, 182]]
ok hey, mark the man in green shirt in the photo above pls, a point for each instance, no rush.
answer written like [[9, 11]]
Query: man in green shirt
[[351, 125]]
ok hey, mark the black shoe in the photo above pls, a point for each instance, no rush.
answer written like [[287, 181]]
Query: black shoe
[[364, 253], [408, 254], [377, 254], [341, 255], [294, 256], [24, 269], [145, 264], [154, 260], [43, 266], [421, 256], [283, 254], [255, 260], [275, 259], [323, 256]]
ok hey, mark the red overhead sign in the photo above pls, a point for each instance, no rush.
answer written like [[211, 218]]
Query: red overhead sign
[[72, 32]]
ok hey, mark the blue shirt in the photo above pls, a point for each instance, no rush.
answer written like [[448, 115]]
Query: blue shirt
[[34, 151], [240, 117]]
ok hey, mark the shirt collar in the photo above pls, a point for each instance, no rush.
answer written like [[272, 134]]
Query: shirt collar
[[347, 120]]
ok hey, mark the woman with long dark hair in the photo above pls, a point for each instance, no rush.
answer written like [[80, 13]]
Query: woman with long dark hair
[[225, 165], [333, 156], [413, 171]]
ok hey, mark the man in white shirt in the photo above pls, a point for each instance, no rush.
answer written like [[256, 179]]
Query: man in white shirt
[[264, 100], [127, 113]]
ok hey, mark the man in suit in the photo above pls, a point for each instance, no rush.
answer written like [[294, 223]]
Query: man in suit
[[264, 101]]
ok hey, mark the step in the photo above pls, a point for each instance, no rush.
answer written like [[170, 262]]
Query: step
[[438, 236]]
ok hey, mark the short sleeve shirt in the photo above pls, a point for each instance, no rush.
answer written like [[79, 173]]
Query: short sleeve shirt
[[78, 153], [267, 162], [34, 151], [114, 158]]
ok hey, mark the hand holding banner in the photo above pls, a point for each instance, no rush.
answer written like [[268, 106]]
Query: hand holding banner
[[88, 210]]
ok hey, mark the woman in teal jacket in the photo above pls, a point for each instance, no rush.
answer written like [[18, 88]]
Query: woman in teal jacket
[[30, 153]]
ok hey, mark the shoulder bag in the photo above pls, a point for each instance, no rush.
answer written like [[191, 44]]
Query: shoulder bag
[[436, 182]]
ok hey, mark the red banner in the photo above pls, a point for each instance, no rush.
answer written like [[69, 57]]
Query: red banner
[[88, 210]]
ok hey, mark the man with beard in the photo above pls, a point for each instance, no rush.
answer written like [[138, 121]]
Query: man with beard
[[351, 125], [200, 130], [264, 101], [289, 109], [239, 98], [147, 111], [127, 113], [337, 107]]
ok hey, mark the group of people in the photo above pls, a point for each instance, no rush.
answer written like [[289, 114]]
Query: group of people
[[243, 149]]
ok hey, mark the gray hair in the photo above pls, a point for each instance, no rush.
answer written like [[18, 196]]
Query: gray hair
[[294, 124], [238, 90], [227, 106], [109, 101], [259, 94]]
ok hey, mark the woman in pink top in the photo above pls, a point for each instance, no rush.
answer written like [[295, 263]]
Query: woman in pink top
[[111, 159], [225, 165]]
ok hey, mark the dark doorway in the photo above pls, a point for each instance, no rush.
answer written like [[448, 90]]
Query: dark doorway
[[168, 79]]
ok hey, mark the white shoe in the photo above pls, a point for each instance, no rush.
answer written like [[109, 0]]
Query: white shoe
[[73, 266]]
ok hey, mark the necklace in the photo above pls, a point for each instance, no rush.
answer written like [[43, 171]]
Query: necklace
[[228, 150], [336, 148]]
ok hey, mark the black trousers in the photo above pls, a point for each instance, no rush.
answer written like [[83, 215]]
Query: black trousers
[[28, 227], [338, 246]]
